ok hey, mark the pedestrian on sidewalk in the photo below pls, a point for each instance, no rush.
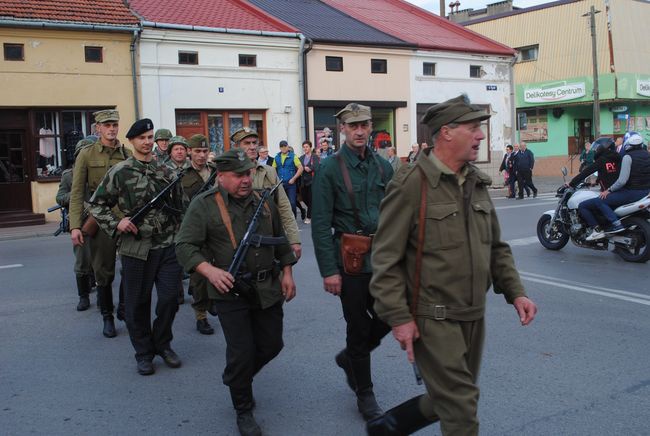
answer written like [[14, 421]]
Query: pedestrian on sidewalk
[[524, 163]]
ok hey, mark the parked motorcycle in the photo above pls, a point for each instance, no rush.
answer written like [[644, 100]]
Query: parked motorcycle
[[556, 227]]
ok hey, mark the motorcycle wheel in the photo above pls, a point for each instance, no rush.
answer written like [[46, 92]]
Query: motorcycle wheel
[[544, 235], [639, 229]]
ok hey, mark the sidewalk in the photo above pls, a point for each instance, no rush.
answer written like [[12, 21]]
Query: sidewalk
[[543, 184]]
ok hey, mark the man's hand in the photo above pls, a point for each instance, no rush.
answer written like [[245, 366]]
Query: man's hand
[[126, 226], [332, 284], [297, 250], [222, 280], [526, 309], [604, 194], [406, 334], [288, 285], [77, 237]]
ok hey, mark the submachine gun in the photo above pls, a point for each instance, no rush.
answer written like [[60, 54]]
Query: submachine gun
[[156, 201], [243, 287], [208, 183], [64, 225]]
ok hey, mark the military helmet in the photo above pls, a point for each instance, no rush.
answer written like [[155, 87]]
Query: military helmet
[[176, 140], [162, 134]]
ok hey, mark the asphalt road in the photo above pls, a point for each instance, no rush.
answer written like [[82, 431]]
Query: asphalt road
[[580, 369]]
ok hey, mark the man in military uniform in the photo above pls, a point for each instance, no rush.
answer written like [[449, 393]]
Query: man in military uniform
[[250, 310], [147, 249], [91, 165], [196, 176], [177, 153], [265, 176], [346, 194], [430, 282], [82, 265], [161, 138]]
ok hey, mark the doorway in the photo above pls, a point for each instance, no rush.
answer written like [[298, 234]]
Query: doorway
[[15, 186]]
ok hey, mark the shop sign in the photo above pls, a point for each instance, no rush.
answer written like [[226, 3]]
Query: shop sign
[[643, 87], [619, 109], [570, 91]]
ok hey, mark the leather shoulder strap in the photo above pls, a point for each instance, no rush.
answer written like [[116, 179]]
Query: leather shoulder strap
[[225, 217], [418, 256], [348, 187]]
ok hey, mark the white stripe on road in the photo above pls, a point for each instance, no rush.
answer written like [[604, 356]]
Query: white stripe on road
[[523, 241], [515, 206], [617, 294], [16, 265]]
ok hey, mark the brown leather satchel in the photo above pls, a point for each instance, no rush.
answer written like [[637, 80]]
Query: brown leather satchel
[[90, 227], [353, 250]]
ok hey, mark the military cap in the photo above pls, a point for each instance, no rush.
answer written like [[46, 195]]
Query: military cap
[[106, 116], [162, 134], [354, 113], [83, 143], [198, 141], [456, 110], [234, 160], [139, 127], [243, 133]]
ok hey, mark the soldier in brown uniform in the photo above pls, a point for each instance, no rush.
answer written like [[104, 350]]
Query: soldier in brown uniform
[[430, 282], [90, 167]]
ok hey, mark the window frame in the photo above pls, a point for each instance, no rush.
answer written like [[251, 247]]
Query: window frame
[[478, 68], [424, 68], [379, 62], [247, 56], [521, 50], [537, 118], [90, 48], [9, 45], [329, 59], [188, 53]]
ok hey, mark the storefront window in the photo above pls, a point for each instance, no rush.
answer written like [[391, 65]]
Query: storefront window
[[215, 133], [218, 125], [533, 125]]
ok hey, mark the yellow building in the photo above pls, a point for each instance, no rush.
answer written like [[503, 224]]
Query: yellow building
[[59, 65]]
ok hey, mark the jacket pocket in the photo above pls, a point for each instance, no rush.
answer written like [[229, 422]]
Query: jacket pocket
[[444, 228], [482, 215]]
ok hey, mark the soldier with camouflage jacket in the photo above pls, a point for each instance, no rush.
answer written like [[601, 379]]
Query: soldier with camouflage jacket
[[162, 138], [146, 250]]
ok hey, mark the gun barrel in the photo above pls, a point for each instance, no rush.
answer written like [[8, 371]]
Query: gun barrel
[[53, 208]]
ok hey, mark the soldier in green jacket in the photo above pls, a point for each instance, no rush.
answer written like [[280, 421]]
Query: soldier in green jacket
[[146, 249], [250, 317], [436, 310], [91, 165], [161, 138], [82, 265], [352, 211]]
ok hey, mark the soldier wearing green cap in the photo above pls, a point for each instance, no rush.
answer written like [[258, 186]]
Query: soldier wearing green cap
[[251, 321], [430, 283], [82, 266], [91, 164], [346, 194]]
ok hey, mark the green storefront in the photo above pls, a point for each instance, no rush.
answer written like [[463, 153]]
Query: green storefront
[[556, 118]]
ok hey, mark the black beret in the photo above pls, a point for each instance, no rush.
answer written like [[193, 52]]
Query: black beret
[[139, 127]]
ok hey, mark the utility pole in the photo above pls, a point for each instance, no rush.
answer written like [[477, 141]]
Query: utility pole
[[594, 58]]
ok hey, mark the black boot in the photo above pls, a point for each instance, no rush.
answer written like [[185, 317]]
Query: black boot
[[366, 402], [109, 327], [399, 421], [343, 361], [83, 289], [242, 401], [120, 312], [105, 296]]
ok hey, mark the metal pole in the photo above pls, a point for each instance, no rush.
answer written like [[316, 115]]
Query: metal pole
[[594, 58]]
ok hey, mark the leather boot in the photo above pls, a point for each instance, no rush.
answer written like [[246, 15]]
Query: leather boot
[[109, 327], [83, 289], [366, 402], [343, 361], [400, 420], [242, 401]]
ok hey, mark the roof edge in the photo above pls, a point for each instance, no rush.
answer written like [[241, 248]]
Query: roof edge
[[263, 14], [70, 25], [173, 26], [518, 11]]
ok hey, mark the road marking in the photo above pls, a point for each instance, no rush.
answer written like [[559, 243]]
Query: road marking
[[617, 294], [515, 206], [16, 265], [523, 241]]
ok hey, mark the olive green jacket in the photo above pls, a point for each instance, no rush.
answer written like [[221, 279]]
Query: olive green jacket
[[192, 181], [90, 166], [463, 254], [63, 194], [203, 238], [332, 207]]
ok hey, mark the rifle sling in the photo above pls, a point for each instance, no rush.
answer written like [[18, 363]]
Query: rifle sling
[[418, 256], [225, 217]]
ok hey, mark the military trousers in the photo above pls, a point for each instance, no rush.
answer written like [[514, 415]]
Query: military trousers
[[139, 276], [253, 338], [364, 330], [83, 259], [448, 355], [200, 302], [103, 251]]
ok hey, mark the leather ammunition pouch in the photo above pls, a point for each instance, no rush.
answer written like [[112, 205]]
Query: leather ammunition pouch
[[90, 226], [354, 248]]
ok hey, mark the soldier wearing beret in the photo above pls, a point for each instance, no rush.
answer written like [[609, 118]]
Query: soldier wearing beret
[[265, 176], [437, 251], [346, 194], [91, 165], [162, 138], [147, 249], [251, 319], [82, 265]]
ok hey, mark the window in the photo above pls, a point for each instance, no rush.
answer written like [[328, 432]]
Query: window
[[93, 54], [429, 69], [475, 71], [528, 53], [378, 66], [14, 52], [247, 60], [333, 63], [533, 125], [188, 58]]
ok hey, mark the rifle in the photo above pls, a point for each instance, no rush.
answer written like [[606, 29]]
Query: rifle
[[64, 225], [208, 183], [160, 197]]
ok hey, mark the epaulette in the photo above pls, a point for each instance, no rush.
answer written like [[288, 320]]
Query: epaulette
[[404, 172], [482, 177]]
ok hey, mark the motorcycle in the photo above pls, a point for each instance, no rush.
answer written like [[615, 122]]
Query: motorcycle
[[556, 227]]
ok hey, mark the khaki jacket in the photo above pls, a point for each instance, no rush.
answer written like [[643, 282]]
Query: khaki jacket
[[463, 254]]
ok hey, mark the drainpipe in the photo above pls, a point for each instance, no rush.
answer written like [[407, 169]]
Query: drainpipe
[[513, 102], [305, 47], [134, 77]]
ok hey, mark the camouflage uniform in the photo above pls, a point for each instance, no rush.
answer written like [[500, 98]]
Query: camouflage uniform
[[148, 256]]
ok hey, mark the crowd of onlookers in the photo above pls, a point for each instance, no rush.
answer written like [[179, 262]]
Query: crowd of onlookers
[[517, 167]]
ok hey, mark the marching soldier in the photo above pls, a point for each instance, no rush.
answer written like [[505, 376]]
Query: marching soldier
[[250, 313], [146, 249], [161, 138], [91, 165]]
